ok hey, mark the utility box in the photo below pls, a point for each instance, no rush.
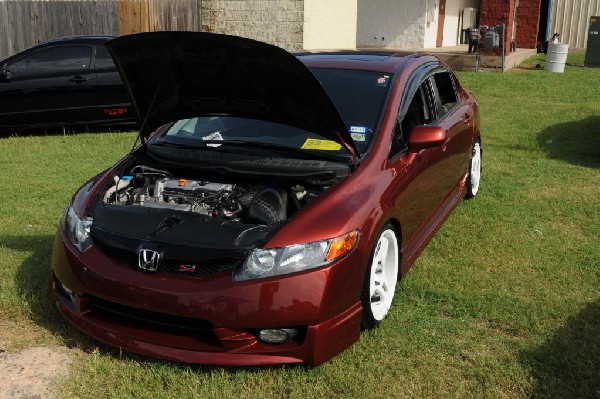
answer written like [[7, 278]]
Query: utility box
[[592, 54], [491, 40]]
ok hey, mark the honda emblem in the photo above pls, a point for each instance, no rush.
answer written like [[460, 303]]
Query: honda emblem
[[148, 260]]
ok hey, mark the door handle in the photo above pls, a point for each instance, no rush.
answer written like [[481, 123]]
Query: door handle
[[78, 79], [467, 117]]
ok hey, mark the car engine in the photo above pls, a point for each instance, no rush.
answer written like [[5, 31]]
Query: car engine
[[258, 204]]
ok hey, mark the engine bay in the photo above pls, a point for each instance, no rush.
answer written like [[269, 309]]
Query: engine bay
[[248, 203]]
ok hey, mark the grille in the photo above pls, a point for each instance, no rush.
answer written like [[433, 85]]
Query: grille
[[179, 267], [120, 255], [154, 320]]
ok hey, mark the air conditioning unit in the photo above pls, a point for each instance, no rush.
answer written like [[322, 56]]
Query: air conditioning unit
[[469, 18]]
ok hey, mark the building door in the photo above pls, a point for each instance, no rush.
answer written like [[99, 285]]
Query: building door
[[441, 18]]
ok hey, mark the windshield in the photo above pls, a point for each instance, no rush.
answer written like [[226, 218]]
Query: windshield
[[214, 131], [358, 95]]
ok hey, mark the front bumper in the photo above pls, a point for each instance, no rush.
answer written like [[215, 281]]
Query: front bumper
[[209, 320]]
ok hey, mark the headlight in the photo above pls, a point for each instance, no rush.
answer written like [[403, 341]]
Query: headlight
[[270, 262], [76, 229]]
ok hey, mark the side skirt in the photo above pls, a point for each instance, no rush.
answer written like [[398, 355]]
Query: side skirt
[[417, 244]]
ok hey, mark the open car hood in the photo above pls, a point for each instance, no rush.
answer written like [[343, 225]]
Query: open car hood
[[176, 75]]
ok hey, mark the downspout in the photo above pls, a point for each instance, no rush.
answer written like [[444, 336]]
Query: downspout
[[549, 21]]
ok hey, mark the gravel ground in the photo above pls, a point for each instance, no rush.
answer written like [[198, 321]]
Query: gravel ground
[[32, 373]]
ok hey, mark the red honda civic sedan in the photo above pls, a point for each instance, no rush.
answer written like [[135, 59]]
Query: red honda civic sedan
[[274, 202]]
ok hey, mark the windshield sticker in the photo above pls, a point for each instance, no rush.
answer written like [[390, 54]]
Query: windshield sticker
[[213, 136], [358, 136], [359, 129], [321, 145], [383, 80]]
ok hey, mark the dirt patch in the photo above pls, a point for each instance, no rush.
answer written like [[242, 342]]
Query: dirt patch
[[32, 373]]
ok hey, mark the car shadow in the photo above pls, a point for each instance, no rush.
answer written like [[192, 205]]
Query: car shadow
[[577, 143], [568, 364], [32, 283]]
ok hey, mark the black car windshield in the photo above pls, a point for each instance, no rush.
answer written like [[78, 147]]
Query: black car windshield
[[358, 95]]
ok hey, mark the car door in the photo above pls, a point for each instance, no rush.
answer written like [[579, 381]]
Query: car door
[[416, 190], [426, 182], [454, 116], [49, 86], [113, 102]]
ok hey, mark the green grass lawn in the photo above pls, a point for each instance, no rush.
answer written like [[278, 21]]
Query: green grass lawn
[[504, 302]]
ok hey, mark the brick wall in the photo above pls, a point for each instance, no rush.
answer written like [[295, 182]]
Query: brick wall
[[279, 22], [528, 21], [496, 12]]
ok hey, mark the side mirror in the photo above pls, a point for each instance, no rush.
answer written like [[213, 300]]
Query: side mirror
[[423, 137]]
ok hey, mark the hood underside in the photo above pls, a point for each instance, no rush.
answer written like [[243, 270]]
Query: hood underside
[[177, 75]]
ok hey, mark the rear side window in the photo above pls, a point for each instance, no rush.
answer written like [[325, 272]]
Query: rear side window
[[54, 59], [103, 58], [446, 91]]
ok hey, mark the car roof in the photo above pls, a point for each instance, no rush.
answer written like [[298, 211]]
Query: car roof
[[89, 39], [79, 39], [376, 60]]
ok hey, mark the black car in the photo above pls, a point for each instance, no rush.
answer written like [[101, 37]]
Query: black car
[[63, 83]]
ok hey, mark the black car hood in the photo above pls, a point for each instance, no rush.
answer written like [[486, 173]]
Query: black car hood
[[176, 75]]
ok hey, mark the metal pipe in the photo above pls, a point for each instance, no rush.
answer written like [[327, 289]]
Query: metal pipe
[[503, 45]]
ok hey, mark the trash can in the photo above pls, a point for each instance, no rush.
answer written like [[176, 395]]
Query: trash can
[[464, 36], [473, 40], [556, 57]]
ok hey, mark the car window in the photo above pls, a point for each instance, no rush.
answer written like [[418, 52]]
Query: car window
[[54, 59], [103, 58], [446, 92], [419, 112]]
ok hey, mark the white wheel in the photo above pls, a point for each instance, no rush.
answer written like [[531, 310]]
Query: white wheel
[[474, 177], [381, 278]]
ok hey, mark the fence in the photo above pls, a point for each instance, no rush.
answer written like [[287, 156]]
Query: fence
[[159, 15], [24, 23], [571, 19]]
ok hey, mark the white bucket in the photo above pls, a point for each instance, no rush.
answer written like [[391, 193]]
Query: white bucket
[[556, 57]]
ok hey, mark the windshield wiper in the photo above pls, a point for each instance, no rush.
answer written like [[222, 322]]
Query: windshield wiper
[[166, 143]]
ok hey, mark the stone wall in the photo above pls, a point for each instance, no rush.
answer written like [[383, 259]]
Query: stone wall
[[279, 22]]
